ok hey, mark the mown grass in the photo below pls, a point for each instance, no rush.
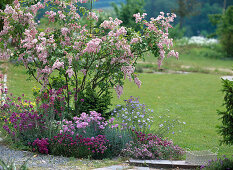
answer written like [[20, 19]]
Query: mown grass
[[18, 81], [199, 59], [193, 98]]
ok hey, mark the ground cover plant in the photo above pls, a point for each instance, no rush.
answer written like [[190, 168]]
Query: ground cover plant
[[76, 66], [223, 163]]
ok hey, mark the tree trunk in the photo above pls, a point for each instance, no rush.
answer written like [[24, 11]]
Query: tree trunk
[[224, 5]]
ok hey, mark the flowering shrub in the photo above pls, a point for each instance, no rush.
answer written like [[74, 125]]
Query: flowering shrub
[[148, 146], [83, 55], [219, 164], [134, 115]]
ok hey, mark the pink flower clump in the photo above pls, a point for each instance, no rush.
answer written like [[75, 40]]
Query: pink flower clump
[[42, 145], [148, 146]]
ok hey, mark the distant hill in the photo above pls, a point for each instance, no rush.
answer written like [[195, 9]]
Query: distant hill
[[106, 3]]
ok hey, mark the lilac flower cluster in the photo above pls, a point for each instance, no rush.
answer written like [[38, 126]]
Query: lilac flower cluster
[[148, 146]]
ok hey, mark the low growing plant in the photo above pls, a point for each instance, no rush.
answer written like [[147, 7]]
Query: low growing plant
[[223, 163], [134, 116], [89, 136], [148, 146], [10, 165]]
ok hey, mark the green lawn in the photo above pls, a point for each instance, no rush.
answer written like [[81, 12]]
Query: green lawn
[[198, 58], [193, 98], [18, 82]]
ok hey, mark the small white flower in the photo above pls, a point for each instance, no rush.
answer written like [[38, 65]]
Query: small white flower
[[184, 123], [161, 125]]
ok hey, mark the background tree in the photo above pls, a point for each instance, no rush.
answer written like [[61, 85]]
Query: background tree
[[186, 8], [224, 30], [153, 8], [126, 11]]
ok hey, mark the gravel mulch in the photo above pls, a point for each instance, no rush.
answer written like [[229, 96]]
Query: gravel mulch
[[38, 162]]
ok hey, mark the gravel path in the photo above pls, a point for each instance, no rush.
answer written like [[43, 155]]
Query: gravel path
[[40, 161]]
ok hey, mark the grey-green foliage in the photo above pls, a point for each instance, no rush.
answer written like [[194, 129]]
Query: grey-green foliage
[[117, 140], [126, 10], [10, 165]]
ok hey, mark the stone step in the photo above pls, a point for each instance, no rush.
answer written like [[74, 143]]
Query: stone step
[[162, 164]]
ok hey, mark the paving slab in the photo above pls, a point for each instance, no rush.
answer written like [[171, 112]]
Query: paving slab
[[123, 167], [163, 164], [230, 78]]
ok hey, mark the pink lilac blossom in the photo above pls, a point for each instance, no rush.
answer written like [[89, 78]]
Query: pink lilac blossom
[[70, 72], [137, 82], [111, 24], [83, 1], [173, 53], [135, 40], [64, 31], [119, 90], [58, 65], [84, 71], [93, 46], [128, 71], [61, 15], [36, 7], [138, 17], [93, 16], [51, 15]]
